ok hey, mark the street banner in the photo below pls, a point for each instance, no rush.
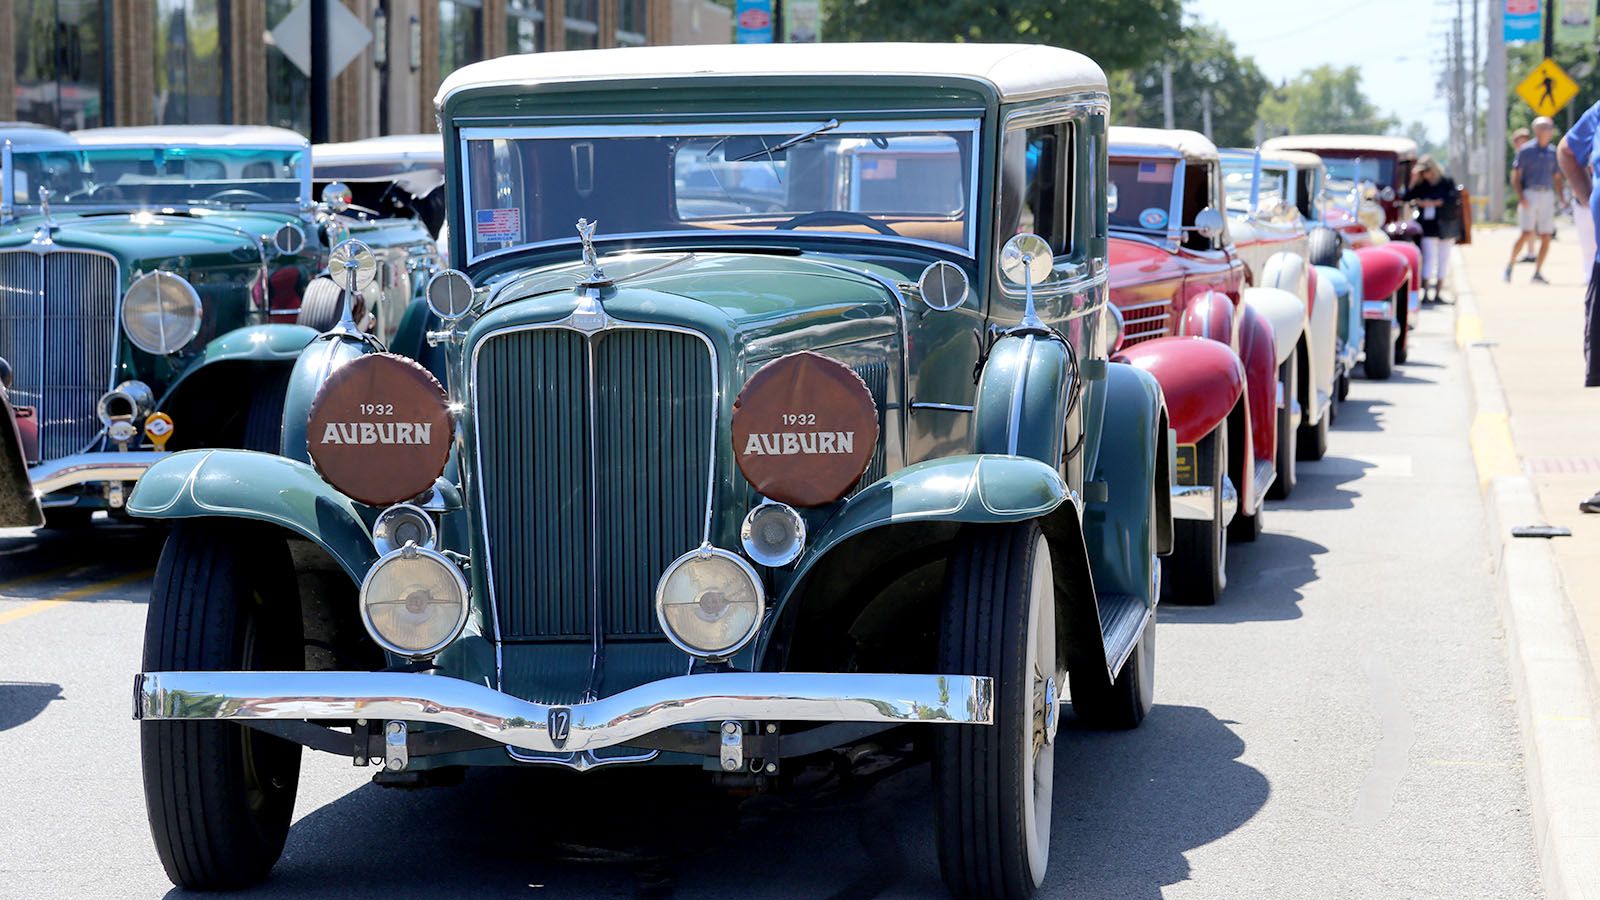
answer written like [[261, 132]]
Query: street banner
[[752, 20], [1524, 20], [1575, 23], [802, 21]]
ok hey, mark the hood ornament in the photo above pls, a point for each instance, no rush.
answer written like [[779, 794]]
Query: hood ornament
[[45, 233], [595, 277]]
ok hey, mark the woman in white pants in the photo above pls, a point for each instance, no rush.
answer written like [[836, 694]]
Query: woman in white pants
[[1438, 203]]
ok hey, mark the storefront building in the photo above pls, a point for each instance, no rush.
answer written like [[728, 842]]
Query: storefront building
[[87, 63]]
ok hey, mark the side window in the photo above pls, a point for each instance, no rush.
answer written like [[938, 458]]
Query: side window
[[1197, 182], [1303, 193], [1036, 185]]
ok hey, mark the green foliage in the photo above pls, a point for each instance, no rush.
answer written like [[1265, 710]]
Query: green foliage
[[1324, 100], [1117, 34], [1202, 59]]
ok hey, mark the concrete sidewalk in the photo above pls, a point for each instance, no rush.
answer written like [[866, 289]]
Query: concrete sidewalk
[[1535, 334]]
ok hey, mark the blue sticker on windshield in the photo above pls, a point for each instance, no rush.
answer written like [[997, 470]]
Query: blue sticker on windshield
[[1153, 218]]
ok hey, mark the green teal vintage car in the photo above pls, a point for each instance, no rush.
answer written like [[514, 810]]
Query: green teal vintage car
[[777, 413], [156, 287]]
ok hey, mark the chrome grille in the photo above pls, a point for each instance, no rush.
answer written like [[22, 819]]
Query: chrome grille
[[58, 329], [1144, 321], [594, 462]]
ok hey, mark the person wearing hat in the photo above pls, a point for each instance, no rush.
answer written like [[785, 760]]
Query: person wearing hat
[[1438, 201], [1537, 180], [1577, 155]]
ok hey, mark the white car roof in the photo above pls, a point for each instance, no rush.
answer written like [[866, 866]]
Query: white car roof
[[1128, 139], [1300, 159], [191, 135], [1016, 71], [23, 135], [391, 148], [1376, 143]]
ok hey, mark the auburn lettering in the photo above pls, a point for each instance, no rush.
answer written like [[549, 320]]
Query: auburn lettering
[[797, 443], [378, 433]]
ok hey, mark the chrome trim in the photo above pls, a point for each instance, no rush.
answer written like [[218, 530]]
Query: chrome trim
[[1265, 474], [411, 551], [1377, 309], [1014, 417], [706, 551], [86, 468], [193, 295], [1192, 502], [746, 538], [581, 761], [380, 527], [944, 407], [607, 722]]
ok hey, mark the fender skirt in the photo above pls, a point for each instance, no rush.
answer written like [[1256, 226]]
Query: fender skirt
[[259, 486], [1201, 380]]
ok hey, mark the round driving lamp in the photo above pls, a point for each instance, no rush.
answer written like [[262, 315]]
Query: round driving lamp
[[403, 524], [161, 313], [414, 602], [773, 534], [709, 602], [1119, 328]]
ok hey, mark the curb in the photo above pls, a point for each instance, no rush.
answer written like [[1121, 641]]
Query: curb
[[1556, 693]]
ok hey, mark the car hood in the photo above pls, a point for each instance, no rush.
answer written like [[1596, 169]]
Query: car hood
[[1137, 263], [156, 240]]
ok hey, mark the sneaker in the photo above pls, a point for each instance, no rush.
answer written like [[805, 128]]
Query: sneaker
[[1508, 274], [1538, 279], [1530, 258], [1591, 505]]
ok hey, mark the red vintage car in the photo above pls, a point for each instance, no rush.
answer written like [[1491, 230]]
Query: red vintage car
[[1179, 286]]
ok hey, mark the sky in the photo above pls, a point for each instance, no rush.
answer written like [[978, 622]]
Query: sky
[[1400, 59]]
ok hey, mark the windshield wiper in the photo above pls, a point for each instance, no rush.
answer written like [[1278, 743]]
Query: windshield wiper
[[801, 138]]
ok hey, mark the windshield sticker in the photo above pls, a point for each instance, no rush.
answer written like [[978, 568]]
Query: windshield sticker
[[876, 169], [1153, 217], [493, 225], [1155, 172]]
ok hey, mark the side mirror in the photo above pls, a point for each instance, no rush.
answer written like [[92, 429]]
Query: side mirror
[[1209, 223], [1111, 197], [337, 196], [1387, 194], [288, 239], [943, 285], [450, 294], [1026, 260]]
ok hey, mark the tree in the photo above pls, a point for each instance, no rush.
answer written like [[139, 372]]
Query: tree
[[1117, 34], [1324, 100], [1203, 59]]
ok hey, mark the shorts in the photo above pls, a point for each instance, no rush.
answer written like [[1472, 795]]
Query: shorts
[[1538, 213]]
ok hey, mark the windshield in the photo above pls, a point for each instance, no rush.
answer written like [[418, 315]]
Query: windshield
[[900, 179], [1143, 188], [125, 177], [1378, 170], [1236, 177]]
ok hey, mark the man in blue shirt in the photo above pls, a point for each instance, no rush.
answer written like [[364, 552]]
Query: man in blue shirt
[[1537, 182], [1578, 154]]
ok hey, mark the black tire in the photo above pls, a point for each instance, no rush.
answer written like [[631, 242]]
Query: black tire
[[1288, 430], [67, 518], [1312, 442], [1197, 570], [1379, 362], [263, 417], [1323, 246], [1121, 704], [322, 305], [1344, 387], [999, 592], [1402, 342], [220, 796]]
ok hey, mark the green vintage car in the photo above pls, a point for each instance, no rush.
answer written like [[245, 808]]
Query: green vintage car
[[156, 286], [777, 414]]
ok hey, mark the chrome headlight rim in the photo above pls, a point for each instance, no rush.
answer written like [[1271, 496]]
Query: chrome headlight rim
[[158, 277], [459, 581], [747, 537], [382, 536], [1119, 327], [706, 551]]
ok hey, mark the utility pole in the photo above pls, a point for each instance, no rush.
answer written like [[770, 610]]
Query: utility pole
[[1549, 29], [1205, 111], [1495, 140], [1166, 95], [1463, 163], [1475, 72], [321, 78]]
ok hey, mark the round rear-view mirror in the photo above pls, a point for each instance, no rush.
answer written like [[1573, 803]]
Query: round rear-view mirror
[[1387, 194], [337, 196], [353, 266], [943, 285], [1208, 222], [288, 239], [449, 294], [1026, 259]]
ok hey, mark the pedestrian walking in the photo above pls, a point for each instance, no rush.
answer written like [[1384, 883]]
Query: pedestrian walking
[[1438, 202], [1577, 156], [1537, 181], [1518, 138]]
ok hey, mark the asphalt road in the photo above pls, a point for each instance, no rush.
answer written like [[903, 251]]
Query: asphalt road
[[1341, 725]]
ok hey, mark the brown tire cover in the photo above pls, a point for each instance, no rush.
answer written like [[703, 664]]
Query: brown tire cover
[[380, 429], [804, 429]]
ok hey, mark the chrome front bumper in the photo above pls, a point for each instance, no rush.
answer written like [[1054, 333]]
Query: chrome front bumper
[[608, 722], [1193, 501], [89, 468]]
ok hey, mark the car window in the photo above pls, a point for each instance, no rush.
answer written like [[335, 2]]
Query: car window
[[1197, 182], [1143, 193], [1036, 193]]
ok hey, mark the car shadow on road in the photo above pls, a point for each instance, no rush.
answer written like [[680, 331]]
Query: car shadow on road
[[1142, 799], [1265, 579], [22, 701], [1321, 485], [102, 549], [1358, 414]]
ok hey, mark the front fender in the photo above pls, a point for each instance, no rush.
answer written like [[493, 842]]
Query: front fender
[[261, 487], [1383, 271], [1258, 351], [1413, 255], [1022, 398], [311, 368], [1119, 530], [1201, 380], [1285, 311], [1287, 271], [1209, 314], [255, 343]]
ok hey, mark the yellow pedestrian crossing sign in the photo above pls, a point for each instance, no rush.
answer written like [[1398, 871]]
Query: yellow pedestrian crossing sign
[[1547, 88]]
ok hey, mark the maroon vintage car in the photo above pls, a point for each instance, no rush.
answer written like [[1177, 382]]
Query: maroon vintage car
[[1178, 283]]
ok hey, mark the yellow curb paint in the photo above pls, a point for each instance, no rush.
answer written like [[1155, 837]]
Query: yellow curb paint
[[1492, 447], [88, 590], [1469, 328]]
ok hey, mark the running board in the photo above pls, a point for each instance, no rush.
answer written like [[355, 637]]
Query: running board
[[1122, 623]]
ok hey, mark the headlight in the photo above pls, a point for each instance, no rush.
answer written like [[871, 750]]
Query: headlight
[[773, 534], [1119, 328], [414, 602], [709, 602], [161, 313], [402, 524]]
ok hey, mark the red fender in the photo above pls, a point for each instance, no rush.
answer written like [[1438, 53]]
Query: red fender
[[1259, 351], [1413, 256], [1208, 314], [1383, 271], [1202, 380], [1311, 290]]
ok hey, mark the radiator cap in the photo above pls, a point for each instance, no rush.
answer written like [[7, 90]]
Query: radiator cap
[[380, 429], [804, 429]]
